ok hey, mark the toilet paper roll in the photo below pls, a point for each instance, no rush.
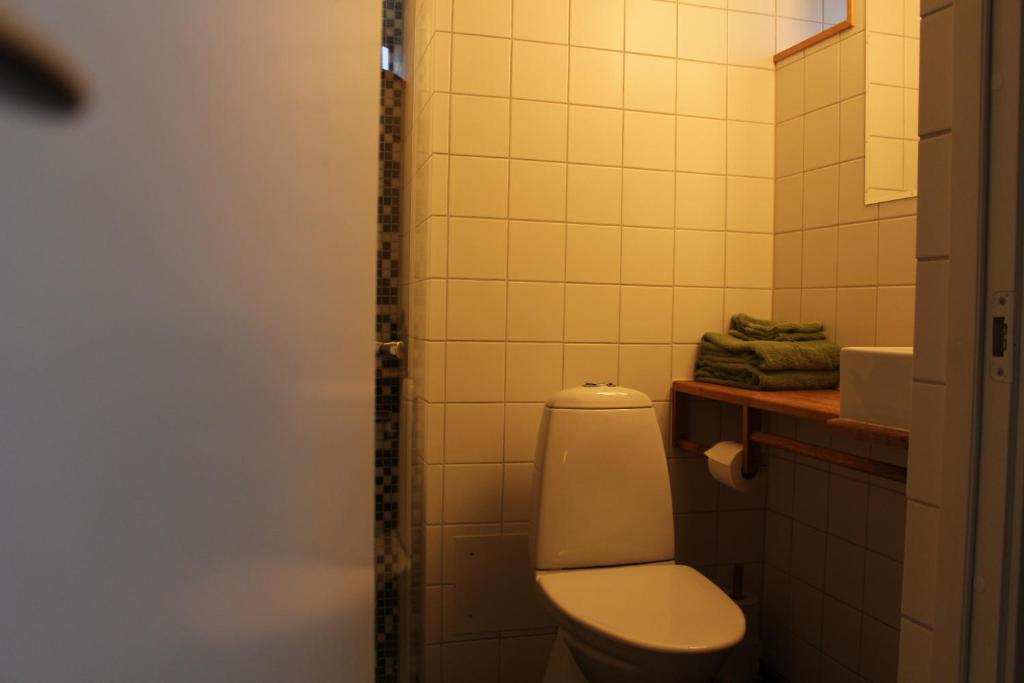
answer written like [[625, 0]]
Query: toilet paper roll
[[725, 462]]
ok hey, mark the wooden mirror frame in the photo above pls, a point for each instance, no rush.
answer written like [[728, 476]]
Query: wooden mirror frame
[[818, 37]]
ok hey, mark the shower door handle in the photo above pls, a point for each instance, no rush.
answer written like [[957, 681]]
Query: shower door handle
[[391, 348]]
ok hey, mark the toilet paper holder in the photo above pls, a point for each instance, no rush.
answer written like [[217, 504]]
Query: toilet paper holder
[[814, 406]]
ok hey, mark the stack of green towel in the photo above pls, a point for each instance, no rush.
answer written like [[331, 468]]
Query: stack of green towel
[[769, 356]]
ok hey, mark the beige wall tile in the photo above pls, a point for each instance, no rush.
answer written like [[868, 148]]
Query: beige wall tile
[[897, 245], [594, 194], [700, 258], [650, 82], [748, 260], [855, 316], [597, 23], [472, 493], [789, 86], [751, 94], [788, 259], [537, 190], [481, 66], [701, 89], [701, 145], [936, 189], [821, 197], [522, 423], [840, 638], [476, 310], [535, 311], [648, 198], [592, 253], [851, 129], [819, 305], [820, 257], [651, 27], [751, 39], [852, 208], [700, 201], [751, 149], [590, 363], [647, 368], [592, 313], [696, 311], [516, 493], [595, 136], [886, 521], [789, 147], [539, 130], [786, 304], [596, 77], [851, 69], [434, 495], [647, 257], [536, 251], [479, 187], [822, 78], [479, 125], [895, 316], [546, 20], [643, 315], [684, 357], [789, 203], [534, 371], [649, 141], [821, 137], [540, 71], [525, 659], [755, 302], [478, 248], [702, 34], [844, 571], [858, 255], [487, 17], [475, 432], [750, 204], [475, 371]]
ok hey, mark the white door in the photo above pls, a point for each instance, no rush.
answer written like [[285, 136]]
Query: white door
[[186, 327]]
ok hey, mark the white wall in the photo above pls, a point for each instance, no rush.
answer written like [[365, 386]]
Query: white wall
[[186, 299], [593, 191]]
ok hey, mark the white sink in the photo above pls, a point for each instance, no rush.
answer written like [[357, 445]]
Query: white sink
[[875, 384]]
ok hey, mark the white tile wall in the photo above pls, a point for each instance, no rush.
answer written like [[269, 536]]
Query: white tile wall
[[595, 189]]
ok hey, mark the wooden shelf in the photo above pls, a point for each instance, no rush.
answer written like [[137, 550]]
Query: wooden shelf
[[817, 406]]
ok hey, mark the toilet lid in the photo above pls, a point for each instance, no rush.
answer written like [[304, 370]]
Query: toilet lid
[[662, 607]]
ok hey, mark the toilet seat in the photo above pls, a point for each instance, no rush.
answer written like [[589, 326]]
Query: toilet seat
[[661, 607]]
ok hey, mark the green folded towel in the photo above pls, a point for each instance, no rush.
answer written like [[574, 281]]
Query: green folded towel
[[747, 376], [768, 355], [749, 328]]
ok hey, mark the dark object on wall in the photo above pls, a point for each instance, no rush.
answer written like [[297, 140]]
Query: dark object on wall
[[32, 73]]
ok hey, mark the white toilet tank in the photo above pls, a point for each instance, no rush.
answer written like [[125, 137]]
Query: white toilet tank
[[601, 491]]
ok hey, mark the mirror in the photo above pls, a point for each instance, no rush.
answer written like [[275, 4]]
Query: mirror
[[802, 24], [892, 40]]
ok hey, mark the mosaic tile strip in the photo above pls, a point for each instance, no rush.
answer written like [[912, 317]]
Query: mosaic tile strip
[[389, 370]]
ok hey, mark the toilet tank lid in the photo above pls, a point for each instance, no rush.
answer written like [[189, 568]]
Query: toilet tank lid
[[594, 396]]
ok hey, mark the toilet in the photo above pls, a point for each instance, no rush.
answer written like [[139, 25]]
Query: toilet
[[601, 542]]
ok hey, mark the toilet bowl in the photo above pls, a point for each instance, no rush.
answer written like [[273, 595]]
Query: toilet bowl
[[601, 540]]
